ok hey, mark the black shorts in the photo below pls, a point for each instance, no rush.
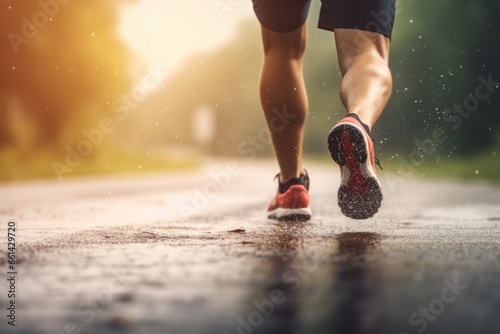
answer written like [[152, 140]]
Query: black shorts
[[288, 15]]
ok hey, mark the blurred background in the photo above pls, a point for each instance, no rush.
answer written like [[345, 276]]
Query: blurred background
[[99, 86]]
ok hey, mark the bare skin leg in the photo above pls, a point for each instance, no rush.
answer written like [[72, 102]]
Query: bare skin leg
[[365, 89], [282, 91], [367, 81]]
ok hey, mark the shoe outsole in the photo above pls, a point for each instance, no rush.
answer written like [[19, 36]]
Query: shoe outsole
[[360, 195], [299, 215]]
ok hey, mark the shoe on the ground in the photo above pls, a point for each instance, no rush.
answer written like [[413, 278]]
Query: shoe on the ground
[[349, 142], [292, 200]]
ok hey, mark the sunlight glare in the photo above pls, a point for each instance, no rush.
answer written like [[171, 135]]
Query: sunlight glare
[[165, 33]]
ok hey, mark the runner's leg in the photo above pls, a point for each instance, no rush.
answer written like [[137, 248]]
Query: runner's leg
[[282, 91]]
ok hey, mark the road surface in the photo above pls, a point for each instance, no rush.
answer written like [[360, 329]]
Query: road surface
[[192, 252]]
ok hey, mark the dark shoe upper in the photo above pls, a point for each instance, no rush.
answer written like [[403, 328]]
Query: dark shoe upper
[[303, 179]]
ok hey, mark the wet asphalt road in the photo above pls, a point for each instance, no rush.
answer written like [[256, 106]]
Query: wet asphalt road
[[193, 253]]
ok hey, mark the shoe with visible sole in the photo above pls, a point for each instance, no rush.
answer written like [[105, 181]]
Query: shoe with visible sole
[[350, 145], [292, 200]]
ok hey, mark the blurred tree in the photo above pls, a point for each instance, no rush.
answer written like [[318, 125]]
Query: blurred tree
[[61, 62], [440, 49], [482, 129], [226, 82]]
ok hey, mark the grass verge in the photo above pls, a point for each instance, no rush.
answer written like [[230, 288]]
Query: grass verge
[[16, 166]]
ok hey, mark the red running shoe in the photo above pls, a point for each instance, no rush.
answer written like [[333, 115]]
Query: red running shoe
[[292, 200], [360, 194]]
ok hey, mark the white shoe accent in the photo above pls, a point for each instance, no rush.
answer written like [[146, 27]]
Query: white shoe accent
[[280, 213]]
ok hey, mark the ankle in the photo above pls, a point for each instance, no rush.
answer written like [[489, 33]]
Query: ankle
[[285, 177]]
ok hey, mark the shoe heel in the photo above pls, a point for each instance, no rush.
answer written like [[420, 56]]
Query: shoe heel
[[298, 198]]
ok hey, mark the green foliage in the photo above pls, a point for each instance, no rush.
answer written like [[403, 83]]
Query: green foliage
[[226, 81], [108, 159], [440, 49]]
